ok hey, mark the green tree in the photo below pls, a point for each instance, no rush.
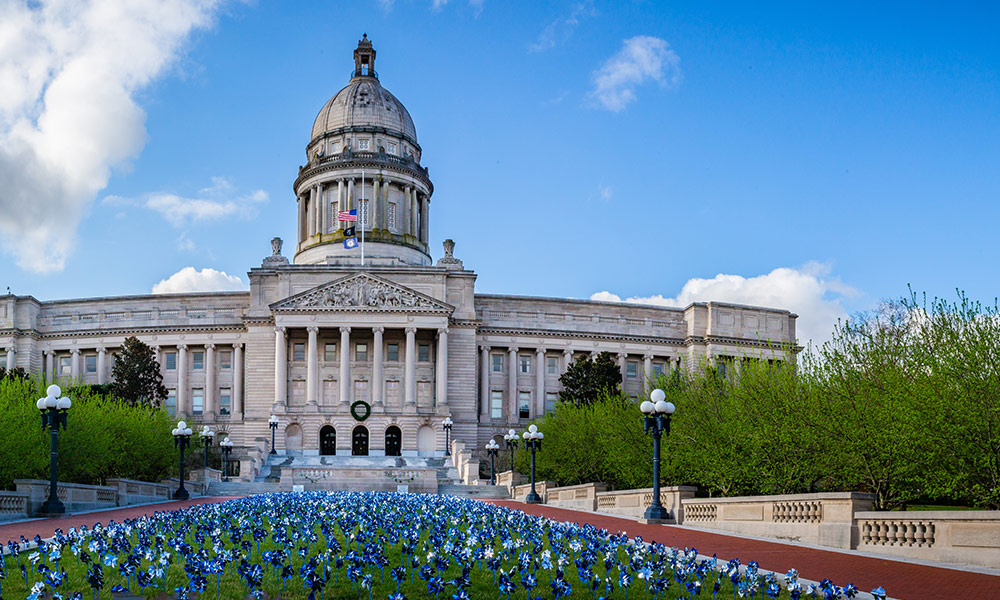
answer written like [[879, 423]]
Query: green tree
[[586, 380], [136, 376]]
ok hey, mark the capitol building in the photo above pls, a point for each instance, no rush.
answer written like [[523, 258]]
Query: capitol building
[[370, 358]]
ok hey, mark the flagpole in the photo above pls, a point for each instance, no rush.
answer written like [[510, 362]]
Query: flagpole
[[364, 217]]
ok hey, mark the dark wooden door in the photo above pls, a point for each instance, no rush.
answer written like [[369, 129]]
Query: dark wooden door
[[328, 441], [359, 441], [393, 441]]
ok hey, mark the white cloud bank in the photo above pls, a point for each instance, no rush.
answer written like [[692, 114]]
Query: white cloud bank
[[69, 73], [808, 291], [206, 280], [642, 58], [216, 201]]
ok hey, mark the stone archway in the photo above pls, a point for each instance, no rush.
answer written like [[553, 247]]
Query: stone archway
[[327, 441], [293, 437], [393, 441], [425, 441], [359, 441]]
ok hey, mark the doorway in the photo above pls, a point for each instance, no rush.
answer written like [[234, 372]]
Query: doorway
[[327, 441], [393, 441], [359, 441]]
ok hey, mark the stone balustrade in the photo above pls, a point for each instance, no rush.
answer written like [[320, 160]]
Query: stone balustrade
[[13, 506], [468, 467], [633, 503], [79, 497], [968, 537], [195, 488], [509, 480], [581, 497], [541, 487], [139, 492], [362, 479]]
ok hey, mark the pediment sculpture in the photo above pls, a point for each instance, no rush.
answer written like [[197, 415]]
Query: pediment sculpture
[[362, 292]]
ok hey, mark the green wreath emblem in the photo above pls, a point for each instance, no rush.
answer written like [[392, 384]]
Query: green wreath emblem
[[360, 410]]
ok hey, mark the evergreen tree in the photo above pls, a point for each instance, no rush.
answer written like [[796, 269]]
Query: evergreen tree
[[586, 380], [136, 377]]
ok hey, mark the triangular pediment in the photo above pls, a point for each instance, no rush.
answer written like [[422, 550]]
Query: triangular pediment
[[365, 293]]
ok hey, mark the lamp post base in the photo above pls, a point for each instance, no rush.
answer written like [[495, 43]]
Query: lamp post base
[[51, 508], [657, 513], [181, 494], [533, 498]]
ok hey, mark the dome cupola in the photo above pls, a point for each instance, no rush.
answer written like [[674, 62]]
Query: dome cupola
[[363, 130]]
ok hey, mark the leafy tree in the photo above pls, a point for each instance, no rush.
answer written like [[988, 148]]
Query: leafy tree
[[15, 373], [136, 377], [586, 380]]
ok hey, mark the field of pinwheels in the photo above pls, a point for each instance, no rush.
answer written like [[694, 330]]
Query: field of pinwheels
[[371, 545]]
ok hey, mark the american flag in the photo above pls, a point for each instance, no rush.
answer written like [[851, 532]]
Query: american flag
[[348, 215]]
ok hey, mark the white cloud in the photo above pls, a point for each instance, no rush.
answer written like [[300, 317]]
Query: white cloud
[[477, 5], [185, 243], [641, 58], [606, 192], [206, 280], [808, 291], [560, 30], [69, 72], [213, 202]]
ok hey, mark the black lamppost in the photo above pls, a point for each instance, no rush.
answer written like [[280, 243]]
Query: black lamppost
[[657, 413], [227, 447], [492, 447], [182, 439], [273, 424], [446, 424], [511, 440], [54, 416], [206, 436], [533, 441]]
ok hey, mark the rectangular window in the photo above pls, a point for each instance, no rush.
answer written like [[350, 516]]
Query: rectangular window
[[392, 393], [724, 366], [225, 359], [497, 362], [423, 353], [197, 401], [198, 360], [390, 148], [171, 404], [330, 352], [298, 352], [524, 364], [361, 352], [552, 365], [550, 401], [90, 363], [496, 404], [631, 369], [170, 359], [392, 354], [225, 401], [329, 392], [657, 369], [391, 215], [524, 405], [361, 391], [65, 367]]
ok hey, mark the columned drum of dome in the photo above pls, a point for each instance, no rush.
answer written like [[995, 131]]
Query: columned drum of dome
[[363, 155]]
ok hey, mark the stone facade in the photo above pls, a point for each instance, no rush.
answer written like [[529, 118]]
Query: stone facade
[[410, 339]]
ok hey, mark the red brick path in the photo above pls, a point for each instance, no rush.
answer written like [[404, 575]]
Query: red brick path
[[47, 527], [900, 579]]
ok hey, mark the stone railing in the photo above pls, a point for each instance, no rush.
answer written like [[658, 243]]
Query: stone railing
[[633, 503], [139, 492], [541, 487], [509, 480], [824, 519], [13, 506], [195, 488], [468, 467], [75, 496], [969, 537], [207, 475], [362, 479], [582, 497]]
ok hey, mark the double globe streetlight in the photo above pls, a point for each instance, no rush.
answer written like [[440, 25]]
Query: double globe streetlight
[[53, 409], [446, 424], [533, 441], [227, 447], [656, 422], [511, 441], [273, 424], [492, 448], [206, 436], [182, 439]]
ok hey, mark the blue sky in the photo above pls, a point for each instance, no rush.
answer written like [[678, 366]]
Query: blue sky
[[818, 158]]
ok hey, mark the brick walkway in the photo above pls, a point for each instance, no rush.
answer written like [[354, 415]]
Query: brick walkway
[[903, 580], [47, 527]]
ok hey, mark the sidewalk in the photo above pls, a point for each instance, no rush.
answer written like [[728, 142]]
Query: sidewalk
[[902, 580], [47, 527]]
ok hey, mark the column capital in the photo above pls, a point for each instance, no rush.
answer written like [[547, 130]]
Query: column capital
[[238, 346], [539, 350], [280, 329], [345, 330], [156, 349], [47, 353], [210, 346], [182, 346], [648, 356], [485, 348], [411, 330], [623, 355], [378, 329], [312, 329], [102, 349], [513, 349], [568, 352], [442, 331], [73, 351]]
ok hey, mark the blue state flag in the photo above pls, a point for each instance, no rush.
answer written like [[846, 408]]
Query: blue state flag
[[351, 242]]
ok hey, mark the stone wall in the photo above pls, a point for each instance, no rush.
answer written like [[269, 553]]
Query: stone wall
[[633, 503], [969, 537], [32, 493]]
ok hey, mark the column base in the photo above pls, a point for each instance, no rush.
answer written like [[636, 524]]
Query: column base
[[656, 513]]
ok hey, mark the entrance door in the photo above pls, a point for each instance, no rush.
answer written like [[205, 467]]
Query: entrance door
[[359, 441], [393, 441], [328, 441]]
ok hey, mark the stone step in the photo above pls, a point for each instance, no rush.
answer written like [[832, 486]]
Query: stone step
[[474, 491]]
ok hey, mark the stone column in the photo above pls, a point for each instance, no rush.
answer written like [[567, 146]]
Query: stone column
[[321, 195], [209, 408], [424, 221], [484, 382], [340, 199], [10, 357], [375, 206], [404, 210], [410, 369], [302, 219], [74, 364], [512, 382], [378, 374], [50, 360], [622, 357], [441, 368], [567, 359], [414, 215], [647, 367], [237, 381], [345, 365], [182, 380], [310, 212], [102, 354], [539, 382], [350, 194], [280, 367], [312, 366]]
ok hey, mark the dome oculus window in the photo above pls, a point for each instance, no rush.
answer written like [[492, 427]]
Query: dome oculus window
[[363, 144], [390, 148]]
